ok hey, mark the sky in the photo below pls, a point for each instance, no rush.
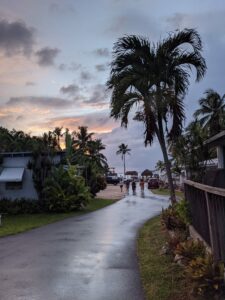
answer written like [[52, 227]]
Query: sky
[[55, 56]]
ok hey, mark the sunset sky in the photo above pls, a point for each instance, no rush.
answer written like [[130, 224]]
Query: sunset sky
[[55, 55]]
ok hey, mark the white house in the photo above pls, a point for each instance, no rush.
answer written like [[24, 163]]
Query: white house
[[15, 178]]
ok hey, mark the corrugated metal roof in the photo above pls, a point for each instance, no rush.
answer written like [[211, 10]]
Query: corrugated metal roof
[[11, 175]]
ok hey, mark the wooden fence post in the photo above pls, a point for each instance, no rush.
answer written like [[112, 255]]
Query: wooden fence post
[[209, 222]]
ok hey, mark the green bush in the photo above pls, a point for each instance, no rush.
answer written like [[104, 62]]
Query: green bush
[[19, 206], [171, 219], [64, 191], [183, 210], [96, 184]]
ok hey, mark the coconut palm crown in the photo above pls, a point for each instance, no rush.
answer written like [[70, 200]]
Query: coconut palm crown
[[154, 78], [211, 112]]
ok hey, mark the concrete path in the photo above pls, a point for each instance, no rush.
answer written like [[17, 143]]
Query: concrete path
[[81, 258]]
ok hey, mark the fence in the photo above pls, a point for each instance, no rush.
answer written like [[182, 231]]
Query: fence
[[207, 206]]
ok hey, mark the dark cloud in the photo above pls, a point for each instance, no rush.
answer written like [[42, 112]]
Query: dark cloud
[[133, 22], [62, 8], [30, 83], [16, 38], [71, 67], [102, 52], [46, 102], [46, 56], [99, 96], [70, 90], [101, 67], [85, 75]]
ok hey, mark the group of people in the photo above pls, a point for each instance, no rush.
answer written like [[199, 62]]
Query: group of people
[[133, 185]]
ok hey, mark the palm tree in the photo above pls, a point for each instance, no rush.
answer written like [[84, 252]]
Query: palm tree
[[155, 79], [58, 133], [212, 112], [123, 151]]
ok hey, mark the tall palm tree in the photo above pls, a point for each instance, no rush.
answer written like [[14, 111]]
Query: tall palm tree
[[154, 78], [211, 112], [123, 151]]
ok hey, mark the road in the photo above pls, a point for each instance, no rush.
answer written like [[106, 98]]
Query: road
[[88, 257]]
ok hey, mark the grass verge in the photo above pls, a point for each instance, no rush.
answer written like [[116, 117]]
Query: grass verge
[[166, 192], [161, 277], [13, 224]]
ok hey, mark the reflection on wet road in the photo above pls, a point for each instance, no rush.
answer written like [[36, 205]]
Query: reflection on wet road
[[87, 257]]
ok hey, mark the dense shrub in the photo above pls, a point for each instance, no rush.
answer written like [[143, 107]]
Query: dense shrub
[[64, 191], [96, 184], [183, 210], [19, 206], [171, 219], [207, 276], [190, 249]]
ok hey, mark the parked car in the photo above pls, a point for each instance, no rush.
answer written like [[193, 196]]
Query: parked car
[[112, 179], [153, 183]]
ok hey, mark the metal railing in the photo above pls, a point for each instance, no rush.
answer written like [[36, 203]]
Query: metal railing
[[207, 205]]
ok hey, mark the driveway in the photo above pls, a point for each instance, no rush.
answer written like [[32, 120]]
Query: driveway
[[88, 257]]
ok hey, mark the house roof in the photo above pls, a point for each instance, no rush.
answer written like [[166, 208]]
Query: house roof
[[11, 175]]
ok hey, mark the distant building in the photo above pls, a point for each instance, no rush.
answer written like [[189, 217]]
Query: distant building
[[131, 175], [16, 178]]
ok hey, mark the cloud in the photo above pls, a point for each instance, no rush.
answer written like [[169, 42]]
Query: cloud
[[85, 75], [46, 56], [99, 97], [98, 122], [134, 22], [30, 83], [16, 38], [101, 67], [70, 90], [103, 52], [46, 102], [62, 8], [71, 67]]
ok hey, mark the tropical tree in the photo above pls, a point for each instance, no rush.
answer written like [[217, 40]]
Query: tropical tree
[[160, 166], [123, 151], [211, 112], [190, 153], [155, 78]]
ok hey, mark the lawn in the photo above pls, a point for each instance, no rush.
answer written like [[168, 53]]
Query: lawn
[[18, 223], [166, 192], [162, 279]]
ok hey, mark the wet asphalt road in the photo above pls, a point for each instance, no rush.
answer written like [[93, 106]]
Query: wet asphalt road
[[81, 258]]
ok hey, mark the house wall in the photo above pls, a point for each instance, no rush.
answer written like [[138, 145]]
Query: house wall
[[28, 190]]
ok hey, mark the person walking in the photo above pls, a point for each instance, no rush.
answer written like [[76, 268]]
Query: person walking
[[121, 186], [133, 186], [127, 185], [142, 185]]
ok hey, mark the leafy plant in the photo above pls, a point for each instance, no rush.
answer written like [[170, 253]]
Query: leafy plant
[[65, 191], [183, 210], [19, 206], [190, 249], [207, 277], [171, 219], [175, 239]]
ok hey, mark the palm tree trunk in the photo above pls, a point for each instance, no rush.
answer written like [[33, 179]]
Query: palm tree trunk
[[124, 166], [167, 163]]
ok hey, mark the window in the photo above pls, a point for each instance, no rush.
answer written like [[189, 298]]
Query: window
[[13, 185]]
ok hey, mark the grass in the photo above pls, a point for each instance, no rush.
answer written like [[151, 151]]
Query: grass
[[161, 277], [13, 224], [166, 192]]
